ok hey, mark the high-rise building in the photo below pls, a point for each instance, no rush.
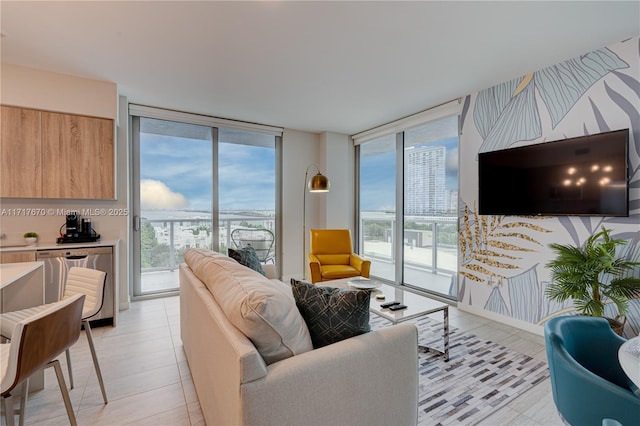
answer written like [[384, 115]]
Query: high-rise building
[[425, 180], [451, 201]]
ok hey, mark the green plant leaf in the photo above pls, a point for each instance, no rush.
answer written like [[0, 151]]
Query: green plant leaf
[[592, 275]]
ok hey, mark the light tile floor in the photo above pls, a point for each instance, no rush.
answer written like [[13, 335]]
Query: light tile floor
[[148, 380]]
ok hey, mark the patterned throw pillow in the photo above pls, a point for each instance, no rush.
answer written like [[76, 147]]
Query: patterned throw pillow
[[332, 314], [248, 257]]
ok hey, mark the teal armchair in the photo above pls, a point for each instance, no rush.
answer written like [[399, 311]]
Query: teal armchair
[[587, 381]]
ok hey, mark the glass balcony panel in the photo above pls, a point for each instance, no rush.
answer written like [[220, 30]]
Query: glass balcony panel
[[160, 264], [377, 205]]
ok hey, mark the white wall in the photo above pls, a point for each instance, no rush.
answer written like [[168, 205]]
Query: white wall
[[299, 149], [333, 154], [31, 88], [123, 186], [340, 171]]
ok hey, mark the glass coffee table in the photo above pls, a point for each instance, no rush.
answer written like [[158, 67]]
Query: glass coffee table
[[417, 305]]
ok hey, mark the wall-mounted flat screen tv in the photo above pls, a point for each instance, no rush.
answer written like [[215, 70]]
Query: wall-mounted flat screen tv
[[583, 176]]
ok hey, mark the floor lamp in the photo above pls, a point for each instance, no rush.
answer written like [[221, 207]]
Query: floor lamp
[[318, 183]]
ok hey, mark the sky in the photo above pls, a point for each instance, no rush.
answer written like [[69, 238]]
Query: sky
[[377, 182], [176, 174]]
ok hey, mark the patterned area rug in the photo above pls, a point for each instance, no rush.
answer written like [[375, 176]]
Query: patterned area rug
[[480, 377]]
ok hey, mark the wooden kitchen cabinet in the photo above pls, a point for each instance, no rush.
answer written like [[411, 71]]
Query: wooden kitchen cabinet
[[18, 256], [79, 157], [55, 155], [20, 153]]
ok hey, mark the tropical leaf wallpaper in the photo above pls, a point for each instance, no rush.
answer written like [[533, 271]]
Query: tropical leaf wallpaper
[[502, 258]]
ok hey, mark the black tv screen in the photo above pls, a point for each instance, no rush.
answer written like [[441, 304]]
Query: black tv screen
[[583, 176]]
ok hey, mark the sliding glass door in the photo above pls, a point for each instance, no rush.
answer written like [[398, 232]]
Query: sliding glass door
[[430, 231], [408, 196], [377, 196], [194, 185], [175, 199], [247, 190]]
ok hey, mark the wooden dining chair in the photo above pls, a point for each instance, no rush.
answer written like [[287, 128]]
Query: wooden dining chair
[[85, 281], [36, 342]]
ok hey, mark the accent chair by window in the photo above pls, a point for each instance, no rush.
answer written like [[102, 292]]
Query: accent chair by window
[[331, 256]]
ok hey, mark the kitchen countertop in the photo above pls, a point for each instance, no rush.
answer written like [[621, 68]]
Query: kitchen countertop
[[52, 245], [11, 272]]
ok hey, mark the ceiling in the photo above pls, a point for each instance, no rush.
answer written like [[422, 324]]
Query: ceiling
[[316, 66]]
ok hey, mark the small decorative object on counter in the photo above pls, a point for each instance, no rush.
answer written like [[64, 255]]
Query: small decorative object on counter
[[30, 237]]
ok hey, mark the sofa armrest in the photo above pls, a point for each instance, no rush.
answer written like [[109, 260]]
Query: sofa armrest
[[361, 264], [367, 379], [314, 268]]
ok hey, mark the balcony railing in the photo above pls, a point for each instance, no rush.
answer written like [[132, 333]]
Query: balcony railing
[[430, 246], [427, 236], [173, 236]]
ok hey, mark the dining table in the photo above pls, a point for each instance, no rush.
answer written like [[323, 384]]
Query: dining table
[[629, 357], [22, 286]]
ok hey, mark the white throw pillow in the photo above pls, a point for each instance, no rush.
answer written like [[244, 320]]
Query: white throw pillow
[[263, 310]]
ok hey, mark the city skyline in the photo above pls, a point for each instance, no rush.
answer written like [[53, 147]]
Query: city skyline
[[377, 171]]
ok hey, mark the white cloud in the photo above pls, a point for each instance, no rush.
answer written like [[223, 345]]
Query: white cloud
[[156, 195]]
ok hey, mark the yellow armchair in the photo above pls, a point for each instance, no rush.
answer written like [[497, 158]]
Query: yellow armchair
[[331, 256]]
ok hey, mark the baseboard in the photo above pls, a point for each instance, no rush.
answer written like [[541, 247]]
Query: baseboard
[[512, 322]]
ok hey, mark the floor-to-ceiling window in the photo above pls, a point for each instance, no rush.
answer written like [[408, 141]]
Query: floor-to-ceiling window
[[377, 196], [408, 201], [197, 180], [175, 198], [247, 186]]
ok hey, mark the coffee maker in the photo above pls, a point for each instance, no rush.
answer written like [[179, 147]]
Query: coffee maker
[[77, 230], [72, 225]]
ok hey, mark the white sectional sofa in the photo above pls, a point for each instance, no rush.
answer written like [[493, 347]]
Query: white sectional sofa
[[370, 379]]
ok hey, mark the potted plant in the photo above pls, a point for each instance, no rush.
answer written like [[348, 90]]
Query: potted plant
[[592, 275], [30, 237]]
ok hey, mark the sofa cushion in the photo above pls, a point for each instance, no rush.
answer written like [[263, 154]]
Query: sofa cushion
[[332, 314], [333, 259], [334, 272], [263, 310], [248, 257]]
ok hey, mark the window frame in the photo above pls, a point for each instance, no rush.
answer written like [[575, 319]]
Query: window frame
[[399, 127], [215, 123]]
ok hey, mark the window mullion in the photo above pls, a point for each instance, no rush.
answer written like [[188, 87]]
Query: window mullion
[[399, 216]]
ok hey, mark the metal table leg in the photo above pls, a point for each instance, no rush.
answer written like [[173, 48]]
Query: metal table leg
[[445, 352]]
